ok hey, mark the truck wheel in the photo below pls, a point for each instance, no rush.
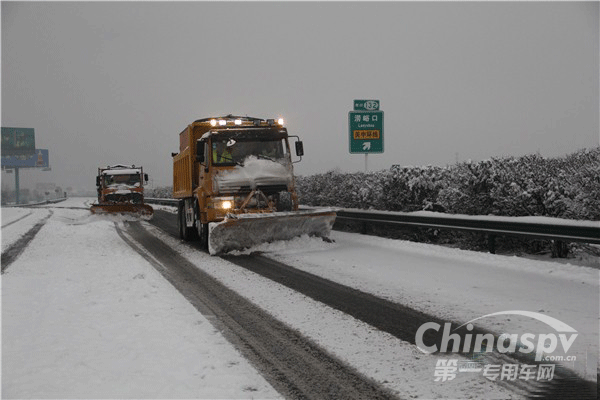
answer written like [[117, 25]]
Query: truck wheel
[[180, 220], [203, 233], [185, 233]]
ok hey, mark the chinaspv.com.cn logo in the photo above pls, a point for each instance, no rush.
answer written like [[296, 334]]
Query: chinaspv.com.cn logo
[[538, 350]]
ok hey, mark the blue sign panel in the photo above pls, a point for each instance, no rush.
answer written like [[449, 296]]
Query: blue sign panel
[[38, 160]]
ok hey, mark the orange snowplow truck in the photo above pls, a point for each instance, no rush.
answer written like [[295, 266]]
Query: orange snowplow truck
[[121, 190], [234, 178]]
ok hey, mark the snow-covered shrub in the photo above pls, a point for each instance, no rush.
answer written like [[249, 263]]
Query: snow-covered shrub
[[468, 189], [338, 189], [566, 187], [579, 182], [412, 188], [165, 192]]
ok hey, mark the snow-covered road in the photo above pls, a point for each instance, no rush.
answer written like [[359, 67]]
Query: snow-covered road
[[460, 285], [84, 316]]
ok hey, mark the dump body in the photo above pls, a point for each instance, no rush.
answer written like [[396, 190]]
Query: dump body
[[235, 170], [121, 190]]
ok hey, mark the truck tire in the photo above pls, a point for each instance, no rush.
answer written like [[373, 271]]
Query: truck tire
[[203, 234], [180, 221], [186, 233]]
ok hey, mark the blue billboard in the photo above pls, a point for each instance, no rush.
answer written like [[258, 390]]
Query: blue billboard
[[37, 160]]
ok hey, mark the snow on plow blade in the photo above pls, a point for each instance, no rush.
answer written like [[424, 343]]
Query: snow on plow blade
[[240, 231], [143, 210]]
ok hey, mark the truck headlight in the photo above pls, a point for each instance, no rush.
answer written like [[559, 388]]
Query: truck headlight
[[222, 203]]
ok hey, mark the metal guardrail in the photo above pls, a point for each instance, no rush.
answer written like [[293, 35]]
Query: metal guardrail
[[163, 202], [40, 203], [571, 231]]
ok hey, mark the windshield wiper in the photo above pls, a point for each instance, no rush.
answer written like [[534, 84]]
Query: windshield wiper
[[232, 160], [265, 157]]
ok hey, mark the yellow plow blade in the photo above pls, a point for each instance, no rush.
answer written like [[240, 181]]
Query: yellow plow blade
[[240, 231], [143, 210]]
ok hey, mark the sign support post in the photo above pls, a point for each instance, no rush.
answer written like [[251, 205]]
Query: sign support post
[[17, 186]]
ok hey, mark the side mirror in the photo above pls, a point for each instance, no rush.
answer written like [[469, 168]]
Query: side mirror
[[200, 152], [146, 177], [98, 181], [299, 149]]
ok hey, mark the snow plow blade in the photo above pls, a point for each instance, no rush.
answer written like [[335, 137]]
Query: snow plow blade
[[142, 210], [240, 231]]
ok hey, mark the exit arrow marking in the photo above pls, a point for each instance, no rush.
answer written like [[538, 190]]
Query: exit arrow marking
[[367, 146]]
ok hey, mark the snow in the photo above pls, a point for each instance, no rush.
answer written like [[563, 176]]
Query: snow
[[238, 231], [85, 316], [390, 361], [254, 172], [458, 285], [17, 221], [122, 189], [123, 171]]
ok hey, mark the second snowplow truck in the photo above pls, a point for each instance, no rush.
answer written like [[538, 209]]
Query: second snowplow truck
[[234, 178], [121, 191]]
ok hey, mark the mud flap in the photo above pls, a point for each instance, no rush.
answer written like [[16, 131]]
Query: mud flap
[[142, 210], [240, 231]]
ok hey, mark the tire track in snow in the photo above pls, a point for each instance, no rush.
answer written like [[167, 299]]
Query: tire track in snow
[[394, 318], [295, 366], [15, 250], [17, 220], [403, 322]]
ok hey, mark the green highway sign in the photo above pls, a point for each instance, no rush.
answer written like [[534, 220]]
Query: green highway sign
[[18, 141], [365, 131]]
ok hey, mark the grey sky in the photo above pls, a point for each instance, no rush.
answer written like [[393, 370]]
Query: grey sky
[[114, 82]]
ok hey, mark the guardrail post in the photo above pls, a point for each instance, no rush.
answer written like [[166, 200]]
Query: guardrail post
[[363, 228], [492, 243], [559, 249]]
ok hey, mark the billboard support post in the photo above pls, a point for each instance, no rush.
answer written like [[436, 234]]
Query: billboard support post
[[17, 186], [38, 160]]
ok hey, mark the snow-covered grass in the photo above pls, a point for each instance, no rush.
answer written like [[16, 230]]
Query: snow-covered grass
[[85, 316]]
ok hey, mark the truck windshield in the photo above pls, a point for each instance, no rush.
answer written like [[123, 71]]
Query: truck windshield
[[228, 152], [126, 179]]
